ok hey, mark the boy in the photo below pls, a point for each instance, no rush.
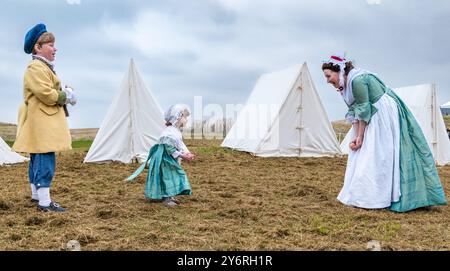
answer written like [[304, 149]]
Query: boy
[[42, 127]]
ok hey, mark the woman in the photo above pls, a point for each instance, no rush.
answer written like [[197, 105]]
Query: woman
[[390, 164]]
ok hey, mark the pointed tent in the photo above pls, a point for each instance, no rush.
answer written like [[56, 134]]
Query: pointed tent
[[7, 156], [132, 125], [284, 117], [421, 100]]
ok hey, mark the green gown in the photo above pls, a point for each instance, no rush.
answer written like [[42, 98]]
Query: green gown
[[165, 176], [419, 181]]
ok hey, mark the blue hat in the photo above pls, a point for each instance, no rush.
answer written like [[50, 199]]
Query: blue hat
[[32, 37]]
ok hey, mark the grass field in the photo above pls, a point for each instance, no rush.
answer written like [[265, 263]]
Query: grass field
[[7, 132], [341, 128], [81, 144], [239, 202], [447, 121]]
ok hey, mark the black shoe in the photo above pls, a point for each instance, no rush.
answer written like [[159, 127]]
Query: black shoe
[[53, 207], [36, 201]]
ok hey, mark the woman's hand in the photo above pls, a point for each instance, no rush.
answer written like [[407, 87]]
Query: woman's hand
[[353, 145], [360, 128], [359, 141], [356, 143]]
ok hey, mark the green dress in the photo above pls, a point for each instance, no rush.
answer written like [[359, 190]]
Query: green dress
[[419, 181], [165, 176]]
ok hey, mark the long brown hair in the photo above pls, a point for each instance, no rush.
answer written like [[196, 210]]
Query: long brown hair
[[333, 67]]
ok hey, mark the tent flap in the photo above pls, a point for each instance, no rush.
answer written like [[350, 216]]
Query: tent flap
[[8, 157]]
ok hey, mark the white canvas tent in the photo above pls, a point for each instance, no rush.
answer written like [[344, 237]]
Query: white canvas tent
[[7, 156], [284, 117], [421, 100], [132, 125]]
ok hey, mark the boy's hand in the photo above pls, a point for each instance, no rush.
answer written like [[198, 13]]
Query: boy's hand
[[71, 98]]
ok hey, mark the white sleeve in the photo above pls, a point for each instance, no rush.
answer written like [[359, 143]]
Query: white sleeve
[[183, 147], [176, 154]]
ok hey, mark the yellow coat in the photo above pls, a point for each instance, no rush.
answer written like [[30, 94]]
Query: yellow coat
[[42, 126]]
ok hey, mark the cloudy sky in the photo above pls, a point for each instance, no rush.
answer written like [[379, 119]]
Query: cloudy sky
[[217, 49]]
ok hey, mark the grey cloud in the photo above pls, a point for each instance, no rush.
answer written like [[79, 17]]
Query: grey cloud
[[405, 42]]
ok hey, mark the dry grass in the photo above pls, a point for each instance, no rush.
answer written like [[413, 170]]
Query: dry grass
[[341, 128], [239, 202], [8, 132], [84, 134]]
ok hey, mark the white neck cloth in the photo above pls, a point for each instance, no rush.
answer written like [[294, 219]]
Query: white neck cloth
[[347, 92]]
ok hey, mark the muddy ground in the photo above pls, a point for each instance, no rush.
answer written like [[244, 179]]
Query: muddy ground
[[239, 202]]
